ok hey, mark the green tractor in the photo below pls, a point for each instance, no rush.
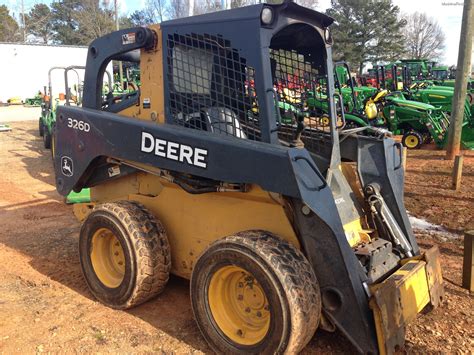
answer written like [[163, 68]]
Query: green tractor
[[442, 97], [446, 77], [441, 72], [366, 106], [50, 101], [47, 122], [34, 101], [419, 69]]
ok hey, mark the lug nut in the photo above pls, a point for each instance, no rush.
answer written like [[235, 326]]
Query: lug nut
[[247, 310], [240, 333], [241, 284], [259, 314]]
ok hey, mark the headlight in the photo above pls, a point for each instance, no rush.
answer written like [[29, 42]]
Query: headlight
[[327, 35], [267, 16]]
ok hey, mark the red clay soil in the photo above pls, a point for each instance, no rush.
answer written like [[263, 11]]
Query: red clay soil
[[45, 305]]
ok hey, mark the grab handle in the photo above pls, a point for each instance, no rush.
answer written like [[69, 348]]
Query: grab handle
[[314, 168]]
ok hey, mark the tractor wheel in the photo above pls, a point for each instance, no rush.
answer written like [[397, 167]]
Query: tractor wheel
[[255, 293], [427, 139], [47, 138], [124, 253], [412, 140], [41, 127], [351, 125], [53, 142]]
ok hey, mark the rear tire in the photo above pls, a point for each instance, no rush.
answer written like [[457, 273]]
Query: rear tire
[[53, 143], [124, 253], [47, 139], [255, 293], [412, 140], [41, 127]]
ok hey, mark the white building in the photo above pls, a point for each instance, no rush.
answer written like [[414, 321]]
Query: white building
[[24, 68]]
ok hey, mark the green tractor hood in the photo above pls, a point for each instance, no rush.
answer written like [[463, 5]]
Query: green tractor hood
[[411, 104]]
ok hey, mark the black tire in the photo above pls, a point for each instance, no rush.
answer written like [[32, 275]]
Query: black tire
[[427, 139], [41, 127], [351, 125], [146, 253], [282, 273], [412, 140], [53, 143], [47, 139]]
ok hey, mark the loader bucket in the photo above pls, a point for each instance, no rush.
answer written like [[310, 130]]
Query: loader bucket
[[397, 300]]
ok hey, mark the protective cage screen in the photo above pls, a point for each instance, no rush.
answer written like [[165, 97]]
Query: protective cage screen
[[211, 86], [302, 96]]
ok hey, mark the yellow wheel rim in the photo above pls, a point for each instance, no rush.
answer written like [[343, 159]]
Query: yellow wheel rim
[[239, 305], [412, 141], [53, 146], [325, 121], [107, 258]]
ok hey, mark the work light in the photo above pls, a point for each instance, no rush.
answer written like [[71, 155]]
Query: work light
[[267, 16]]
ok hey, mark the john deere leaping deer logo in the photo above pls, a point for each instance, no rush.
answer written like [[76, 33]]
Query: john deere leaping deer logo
[[67, 166]]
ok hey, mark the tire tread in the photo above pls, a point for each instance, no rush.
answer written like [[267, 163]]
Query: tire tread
[[296, 276], [148, 238]]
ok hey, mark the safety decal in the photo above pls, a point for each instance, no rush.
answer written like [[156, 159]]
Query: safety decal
[[128, 38]]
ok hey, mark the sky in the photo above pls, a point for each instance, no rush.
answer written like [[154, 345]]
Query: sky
[[448, 13]]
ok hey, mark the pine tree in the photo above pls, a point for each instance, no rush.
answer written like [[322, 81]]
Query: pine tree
[[9, 29], [366, 31]]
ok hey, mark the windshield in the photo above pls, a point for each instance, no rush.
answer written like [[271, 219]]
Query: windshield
[[440, 74]]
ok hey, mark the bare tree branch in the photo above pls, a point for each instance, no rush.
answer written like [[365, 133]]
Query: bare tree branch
[[424, 37]]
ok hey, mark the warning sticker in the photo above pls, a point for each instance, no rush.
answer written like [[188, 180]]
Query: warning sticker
[[146, 103], [114, 171], [128, 38]]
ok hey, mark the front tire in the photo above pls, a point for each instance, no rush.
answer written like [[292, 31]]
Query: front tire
[[255, 293], [412, 140], [124, 253]]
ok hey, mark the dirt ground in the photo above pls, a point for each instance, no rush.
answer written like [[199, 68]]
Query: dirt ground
[[45, 305]]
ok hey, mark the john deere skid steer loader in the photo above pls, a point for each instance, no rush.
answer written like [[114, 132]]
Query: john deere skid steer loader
[[281, 227]]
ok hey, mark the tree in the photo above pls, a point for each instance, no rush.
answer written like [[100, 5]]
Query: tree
[[366, 31], [64, 23], [141, 18], [9, 29], [94, 20], [79, 22], [424, 37], [156, 9], [125, 22], [206, 6], [38, 23], [178, 8]]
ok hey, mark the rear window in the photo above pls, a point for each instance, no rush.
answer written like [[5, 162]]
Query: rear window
[[192, 70]]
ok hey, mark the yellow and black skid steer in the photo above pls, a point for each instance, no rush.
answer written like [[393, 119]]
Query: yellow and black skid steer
[[282, 226]]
